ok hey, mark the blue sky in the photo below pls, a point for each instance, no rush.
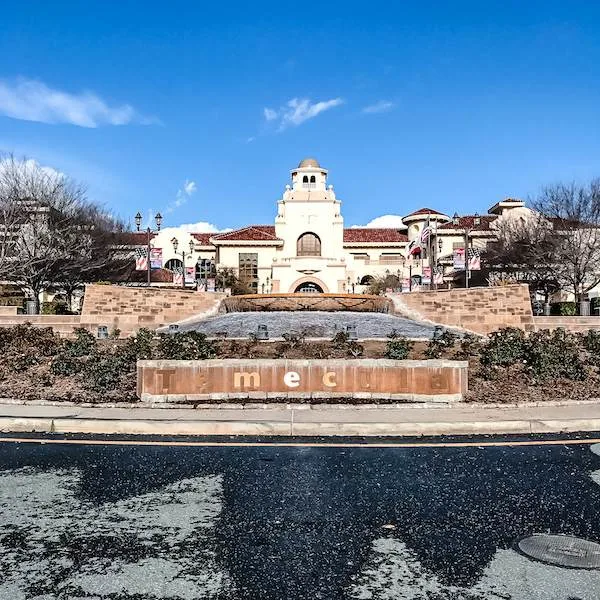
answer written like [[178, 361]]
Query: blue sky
[[199, 110]]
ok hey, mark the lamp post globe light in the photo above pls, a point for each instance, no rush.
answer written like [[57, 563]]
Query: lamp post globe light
[[138, 223]]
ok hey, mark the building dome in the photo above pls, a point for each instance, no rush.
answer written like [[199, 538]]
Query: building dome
[[309, 162]]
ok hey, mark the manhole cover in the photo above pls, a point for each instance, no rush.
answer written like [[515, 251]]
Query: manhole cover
[[562, 550]]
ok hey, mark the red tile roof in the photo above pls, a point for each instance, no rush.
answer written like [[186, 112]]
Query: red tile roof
[[469, 222], [424, 211], [368, 234], [252, 233], [203, 238]]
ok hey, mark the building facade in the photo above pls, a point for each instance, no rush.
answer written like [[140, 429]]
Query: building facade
[[308, 249]]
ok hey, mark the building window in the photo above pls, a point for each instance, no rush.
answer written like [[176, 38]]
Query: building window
[[313, 180], [173, 264], [305, 179], [248, 269], [308, 244]]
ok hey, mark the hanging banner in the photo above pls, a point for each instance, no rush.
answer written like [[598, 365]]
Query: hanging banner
[[156, 258], [426, 275], [210, 285], [458, 259], [141, 259], [190, 274], [178, 277], [405, 285]]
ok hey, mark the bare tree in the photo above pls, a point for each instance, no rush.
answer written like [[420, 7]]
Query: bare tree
[[523, 252], [571, 246], [49, 232]]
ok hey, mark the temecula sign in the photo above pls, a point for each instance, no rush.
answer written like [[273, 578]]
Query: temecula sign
[[179, 380]]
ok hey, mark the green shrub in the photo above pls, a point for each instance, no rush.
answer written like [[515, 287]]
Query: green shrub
[[65, 364], [56, 307], [191, 345], [440, 344], [340, 339], [294, 339], [103, 372], [25, 337], [84, 343], [554, 355], [504, 347], [138, 346], [590, 341], [563, 309], [354, 349], [398, 348], [469, 345]]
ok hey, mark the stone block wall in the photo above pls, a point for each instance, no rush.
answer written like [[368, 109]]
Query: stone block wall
[[480, 310], [129, 308], [572, 324]]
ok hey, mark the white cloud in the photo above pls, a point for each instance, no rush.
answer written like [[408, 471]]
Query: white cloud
[[199, 227], [384, 221], [270, 114], [189, 187], [298, 110], [183, 194], [378, 107], [30, 100], [30, 166]]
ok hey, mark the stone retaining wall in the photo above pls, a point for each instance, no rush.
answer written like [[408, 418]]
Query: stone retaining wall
[[481, 309], [126, 308], [218, 380], [295, 302], [573, 324]]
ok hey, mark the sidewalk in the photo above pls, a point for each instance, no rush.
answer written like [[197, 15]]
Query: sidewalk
[[334, 421]]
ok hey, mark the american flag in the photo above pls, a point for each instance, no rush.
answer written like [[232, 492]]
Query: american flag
[[426, 233], [178, 276], [474, 257], [141, 259]]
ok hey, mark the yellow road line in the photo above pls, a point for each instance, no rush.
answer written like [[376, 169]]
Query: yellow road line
[[213, 444]]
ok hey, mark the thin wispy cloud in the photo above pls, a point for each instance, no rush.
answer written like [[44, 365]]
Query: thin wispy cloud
[[298, 110], [379, 107], [182, 196], [31, 100]]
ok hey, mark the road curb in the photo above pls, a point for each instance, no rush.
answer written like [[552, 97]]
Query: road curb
[[289, 428]]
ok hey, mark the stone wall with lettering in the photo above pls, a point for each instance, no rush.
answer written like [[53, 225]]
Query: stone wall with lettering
[[217, 380], [481, 309]]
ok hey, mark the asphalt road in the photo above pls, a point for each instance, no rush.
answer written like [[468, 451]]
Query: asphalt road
[[116, 522]]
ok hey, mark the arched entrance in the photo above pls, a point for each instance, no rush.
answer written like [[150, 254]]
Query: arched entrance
[[309, 287]]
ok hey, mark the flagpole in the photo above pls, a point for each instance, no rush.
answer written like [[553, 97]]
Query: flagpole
[[429, 251]]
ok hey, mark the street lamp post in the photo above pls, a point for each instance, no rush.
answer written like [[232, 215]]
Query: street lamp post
[[149, 232], [175, 243], [466, 231]]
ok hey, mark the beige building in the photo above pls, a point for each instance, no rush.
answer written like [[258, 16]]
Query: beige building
[[308, 249]]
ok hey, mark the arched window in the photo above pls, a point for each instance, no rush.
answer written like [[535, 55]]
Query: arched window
[[173, 264], [312, 179], [305, 179], [308, 244]]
